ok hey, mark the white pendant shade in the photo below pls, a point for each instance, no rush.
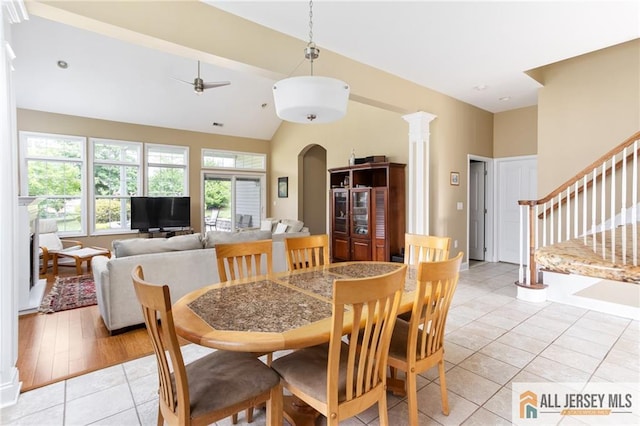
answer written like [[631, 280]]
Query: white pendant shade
[[311, 99]]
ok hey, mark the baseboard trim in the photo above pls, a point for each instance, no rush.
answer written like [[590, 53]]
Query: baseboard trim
[[10, 391], [582, 291]]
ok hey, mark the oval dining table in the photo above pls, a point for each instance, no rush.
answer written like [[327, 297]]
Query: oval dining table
[[279, 311]]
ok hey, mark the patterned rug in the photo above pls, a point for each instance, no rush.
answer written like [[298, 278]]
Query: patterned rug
[[69, 293]]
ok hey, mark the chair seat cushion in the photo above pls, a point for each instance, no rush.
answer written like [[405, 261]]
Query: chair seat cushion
[[224, 378], [399, 339], [307, 369]]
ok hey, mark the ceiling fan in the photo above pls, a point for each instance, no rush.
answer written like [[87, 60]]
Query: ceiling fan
[[200, 86]]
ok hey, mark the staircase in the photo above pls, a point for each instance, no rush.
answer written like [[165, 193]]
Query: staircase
[[587, 227]]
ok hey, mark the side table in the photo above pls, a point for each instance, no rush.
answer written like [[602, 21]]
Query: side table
[[80, 255]]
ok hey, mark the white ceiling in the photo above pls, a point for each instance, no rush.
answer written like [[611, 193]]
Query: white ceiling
[[450, 47]]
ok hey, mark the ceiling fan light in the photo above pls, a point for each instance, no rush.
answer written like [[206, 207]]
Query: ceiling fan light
[[311, 99]]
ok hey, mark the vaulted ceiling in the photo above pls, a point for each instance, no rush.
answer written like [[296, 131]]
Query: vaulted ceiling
[[477, 52]]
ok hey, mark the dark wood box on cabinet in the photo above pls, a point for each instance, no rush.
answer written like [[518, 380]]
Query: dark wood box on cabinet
[[368, 215]]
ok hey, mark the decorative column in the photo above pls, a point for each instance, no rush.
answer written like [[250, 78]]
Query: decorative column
[[11, 12], [418, 212]]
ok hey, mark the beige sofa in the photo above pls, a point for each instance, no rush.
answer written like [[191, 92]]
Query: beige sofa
[[185, 263]]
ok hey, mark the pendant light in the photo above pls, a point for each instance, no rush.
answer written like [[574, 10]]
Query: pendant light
[[311, 99]]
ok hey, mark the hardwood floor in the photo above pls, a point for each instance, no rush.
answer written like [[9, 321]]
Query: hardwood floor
[[54, 347]]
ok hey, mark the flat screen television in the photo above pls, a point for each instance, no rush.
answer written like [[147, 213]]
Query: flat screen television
[[160, 212]]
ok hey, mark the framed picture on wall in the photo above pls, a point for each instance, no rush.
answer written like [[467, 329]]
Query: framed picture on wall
[[283, 187], [454, 178]]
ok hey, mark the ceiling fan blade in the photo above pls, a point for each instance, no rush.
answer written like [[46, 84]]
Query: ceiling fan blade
[[183, 81], [214, 84]]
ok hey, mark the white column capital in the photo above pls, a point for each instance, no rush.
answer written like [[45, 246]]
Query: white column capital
[[419, 125], [419, 117]]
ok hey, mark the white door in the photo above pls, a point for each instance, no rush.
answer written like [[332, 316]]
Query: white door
[[477, 210], [517, 180]]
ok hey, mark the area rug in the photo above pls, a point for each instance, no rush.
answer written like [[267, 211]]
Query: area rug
[[69, 293]]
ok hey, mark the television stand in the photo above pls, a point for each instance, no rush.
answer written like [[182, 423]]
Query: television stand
[[167, 233]]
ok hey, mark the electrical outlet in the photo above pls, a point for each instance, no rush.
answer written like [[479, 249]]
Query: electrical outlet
[[455, 243], [459, 205]]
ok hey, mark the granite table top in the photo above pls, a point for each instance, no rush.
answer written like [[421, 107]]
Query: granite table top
[[286, 310]]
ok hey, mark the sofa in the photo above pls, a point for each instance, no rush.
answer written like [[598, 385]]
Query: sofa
[[185, 263]]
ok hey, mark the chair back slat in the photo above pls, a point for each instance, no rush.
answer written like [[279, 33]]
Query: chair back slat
[[372, 304], [425, 248], [155, 301], [306, 252], [244, 259], [436, 284]]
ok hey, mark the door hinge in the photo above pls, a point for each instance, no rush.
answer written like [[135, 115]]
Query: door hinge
[[484, 249]]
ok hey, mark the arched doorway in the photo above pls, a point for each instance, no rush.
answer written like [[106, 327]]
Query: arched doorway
[[312, 188]]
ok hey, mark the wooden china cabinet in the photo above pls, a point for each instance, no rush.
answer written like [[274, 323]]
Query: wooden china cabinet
[[367, 211]]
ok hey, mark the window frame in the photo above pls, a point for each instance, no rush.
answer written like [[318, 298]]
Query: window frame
[[92, 205], [23, 136], [233, 173], [227, 153], [147, 165]]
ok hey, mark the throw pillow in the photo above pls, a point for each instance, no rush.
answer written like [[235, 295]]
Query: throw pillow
[[293, 224], [265, 225], [281, 228]]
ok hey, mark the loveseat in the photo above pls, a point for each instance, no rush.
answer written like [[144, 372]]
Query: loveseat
[[185, 263]]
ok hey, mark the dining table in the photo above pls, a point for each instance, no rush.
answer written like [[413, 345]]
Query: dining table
[[273, 312]]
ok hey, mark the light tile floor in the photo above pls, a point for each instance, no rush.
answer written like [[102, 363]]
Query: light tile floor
[[492, 340]]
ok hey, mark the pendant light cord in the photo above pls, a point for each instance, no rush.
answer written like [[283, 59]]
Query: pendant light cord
[[311, 44]]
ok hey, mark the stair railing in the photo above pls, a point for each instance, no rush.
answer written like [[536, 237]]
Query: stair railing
[[600, 198]]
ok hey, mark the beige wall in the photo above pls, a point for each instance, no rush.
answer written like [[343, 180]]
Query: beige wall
[[515, 132], [460, 129], [37, 121], [588, 105]]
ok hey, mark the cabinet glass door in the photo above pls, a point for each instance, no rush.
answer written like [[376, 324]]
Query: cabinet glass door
[[360, 212], [340, 211]]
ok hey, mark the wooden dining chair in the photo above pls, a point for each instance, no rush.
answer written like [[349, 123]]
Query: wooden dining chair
[[241, 260], [418, 345], [340, 379], [244, 259], [210, 388], [306, 252], [425, 248]]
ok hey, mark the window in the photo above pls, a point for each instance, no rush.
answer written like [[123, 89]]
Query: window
[[53, 168], [167, 170], [116, 177], [233, 160], [233, 189]]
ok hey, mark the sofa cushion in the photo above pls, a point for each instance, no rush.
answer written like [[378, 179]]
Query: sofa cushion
[[220, 237], [135, 246]]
